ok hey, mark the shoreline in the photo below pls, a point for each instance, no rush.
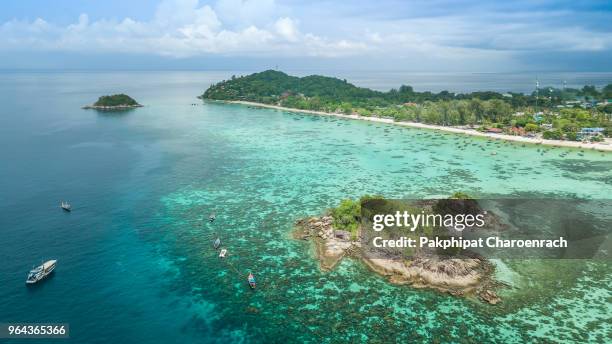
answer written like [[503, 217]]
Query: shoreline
[[466, 277], [554, 143], [111, 108]]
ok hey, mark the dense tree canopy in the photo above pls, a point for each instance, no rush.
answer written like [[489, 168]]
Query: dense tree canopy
[[116, 100], [484, 109]]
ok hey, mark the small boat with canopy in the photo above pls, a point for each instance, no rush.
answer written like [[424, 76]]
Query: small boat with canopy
[[251, 280]]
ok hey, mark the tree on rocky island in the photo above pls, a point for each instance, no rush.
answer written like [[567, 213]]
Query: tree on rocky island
[[116, 100]]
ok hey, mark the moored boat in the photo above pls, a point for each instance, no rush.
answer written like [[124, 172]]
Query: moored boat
[[217, 243], [222, 253], [212, 217], [41, 271], [66, 206], [251, 280]]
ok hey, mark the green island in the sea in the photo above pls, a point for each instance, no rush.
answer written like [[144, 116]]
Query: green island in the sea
[[340, 233], [114, 102], [560, 117]]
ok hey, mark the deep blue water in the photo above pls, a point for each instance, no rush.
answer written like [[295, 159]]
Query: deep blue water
[[135, 262], [109, 284]]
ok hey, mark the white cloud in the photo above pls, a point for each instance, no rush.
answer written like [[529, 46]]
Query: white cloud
[[244, 13], [287, 29], [184, 28], [180, 28]]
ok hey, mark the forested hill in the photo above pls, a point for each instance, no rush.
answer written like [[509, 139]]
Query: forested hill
[[558, 113], [272, 86], [116, 100], [321, 92]]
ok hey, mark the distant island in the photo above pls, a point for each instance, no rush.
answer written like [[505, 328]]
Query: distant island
[[549, 115], [114, 102]]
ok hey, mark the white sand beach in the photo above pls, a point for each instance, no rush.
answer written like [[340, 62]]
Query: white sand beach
[[601, 146]]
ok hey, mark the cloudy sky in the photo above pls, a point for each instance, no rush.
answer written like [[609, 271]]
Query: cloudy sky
[[433, 35]]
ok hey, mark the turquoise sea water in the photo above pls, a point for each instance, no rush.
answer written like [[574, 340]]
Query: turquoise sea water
[[135, 256]]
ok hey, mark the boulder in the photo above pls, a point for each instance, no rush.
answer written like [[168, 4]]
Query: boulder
[[489, 296]]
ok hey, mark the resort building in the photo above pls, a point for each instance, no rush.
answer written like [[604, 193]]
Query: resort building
[[517, 131], [546, 126], [590, 133], [587, 132]]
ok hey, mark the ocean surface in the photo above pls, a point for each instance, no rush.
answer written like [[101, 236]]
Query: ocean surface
[[135, 256], [466, 82]]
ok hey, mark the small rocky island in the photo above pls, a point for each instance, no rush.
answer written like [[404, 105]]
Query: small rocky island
[[337, 234], [114, 102]]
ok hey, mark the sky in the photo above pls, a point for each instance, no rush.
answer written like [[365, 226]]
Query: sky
[[420, 36]]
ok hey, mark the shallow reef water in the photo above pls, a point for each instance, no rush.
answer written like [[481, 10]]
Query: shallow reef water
[[136, 252]]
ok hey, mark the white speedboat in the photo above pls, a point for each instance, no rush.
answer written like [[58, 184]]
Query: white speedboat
[[40, 272], [222, 253]]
